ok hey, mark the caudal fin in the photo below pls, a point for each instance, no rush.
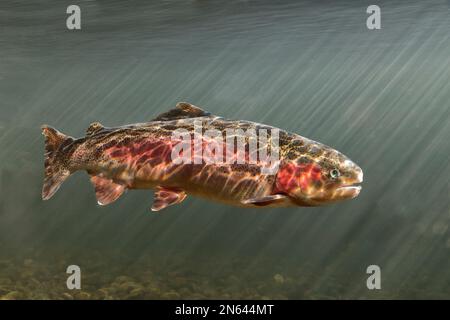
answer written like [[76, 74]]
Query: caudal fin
[[56, 170]]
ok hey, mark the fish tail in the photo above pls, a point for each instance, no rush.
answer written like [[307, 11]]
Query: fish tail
[[56, 169]]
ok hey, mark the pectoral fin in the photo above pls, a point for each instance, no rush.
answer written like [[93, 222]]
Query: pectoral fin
[[270, 200], [165, 197], [106, 190]]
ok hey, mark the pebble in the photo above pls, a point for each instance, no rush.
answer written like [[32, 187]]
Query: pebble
[[279, 279]]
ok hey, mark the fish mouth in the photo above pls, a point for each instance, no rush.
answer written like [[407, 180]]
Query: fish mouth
[[350, 187], [353, 189], [348, 191]]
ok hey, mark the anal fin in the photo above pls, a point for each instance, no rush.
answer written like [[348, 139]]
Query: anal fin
[[165, 197], [106, 190]]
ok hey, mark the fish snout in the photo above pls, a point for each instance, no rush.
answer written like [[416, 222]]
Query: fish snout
[[350, 188]]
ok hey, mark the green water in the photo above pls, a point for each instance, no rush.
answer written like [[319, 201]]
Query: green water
[[381, 97]]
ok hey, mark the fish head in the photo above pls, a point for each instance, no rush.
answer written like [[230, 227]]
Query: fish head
[[319, 175]]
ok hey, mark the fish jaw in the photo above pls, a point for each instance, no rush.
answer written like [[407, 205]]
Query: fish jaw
[[351, 190]]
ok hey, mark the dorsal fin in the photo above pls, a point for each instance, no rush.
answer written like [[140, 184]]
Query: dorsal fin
[[183, 110], [93, 128]]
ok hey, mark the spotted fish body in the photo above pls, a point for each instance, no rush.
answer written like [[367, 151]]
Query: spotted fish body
[[140, 156]]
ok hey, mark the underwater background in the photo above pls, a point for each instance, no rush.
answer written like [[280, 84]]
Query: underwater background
[[382, 97]]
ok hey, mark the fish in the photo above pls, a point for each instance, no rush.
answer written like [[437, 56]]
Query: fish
[[304, 173]]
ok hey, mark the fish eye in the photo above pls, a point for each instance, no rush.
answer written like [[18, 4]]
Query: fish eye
[[334, 173]]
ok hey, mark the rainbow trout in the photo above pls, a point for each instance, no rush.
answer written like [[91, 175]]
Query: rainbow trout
[[173, 155]]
